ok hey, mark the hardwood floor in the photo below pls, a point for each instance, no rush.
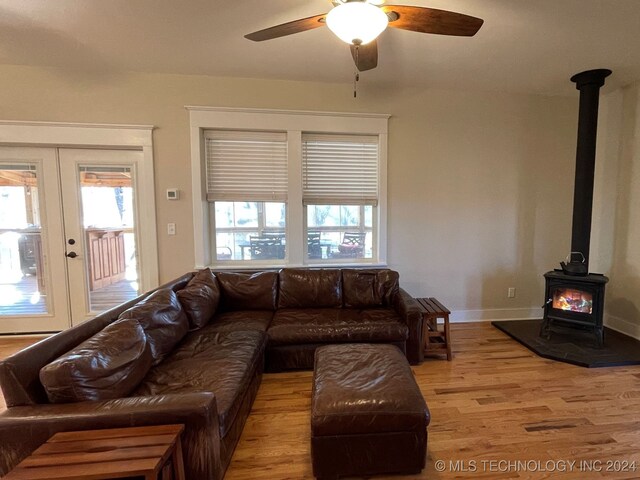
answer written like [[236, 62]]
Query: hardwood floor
[[495, 402]]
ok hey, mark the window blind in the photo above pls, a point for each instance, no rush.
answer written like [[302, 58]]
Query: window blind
[[340, 169], [246, 166]]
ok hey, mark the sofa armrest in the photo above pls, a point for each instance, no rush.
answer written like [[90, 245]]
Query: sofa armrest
[[409, 310], [25, 428]]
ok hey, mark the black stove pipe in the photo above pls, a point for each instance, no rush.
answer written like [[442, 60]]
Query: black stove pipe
[[589, 84]]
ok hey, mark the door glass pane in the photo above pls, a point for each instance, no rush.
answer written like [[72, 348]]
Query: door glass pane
[[22, 279], [108, 217]]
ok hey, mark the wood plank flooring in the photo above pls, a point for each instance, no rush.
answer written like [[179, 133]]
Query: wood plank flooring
[[107, 297], [495, 402], [23, 298]]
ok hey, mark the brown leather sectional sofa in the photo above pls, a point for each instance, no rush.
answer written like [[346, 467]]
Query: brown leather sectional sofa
[[193, 352]]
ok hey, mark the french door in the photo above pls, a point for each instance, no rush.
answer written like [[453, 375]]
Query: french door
[[68, 235]]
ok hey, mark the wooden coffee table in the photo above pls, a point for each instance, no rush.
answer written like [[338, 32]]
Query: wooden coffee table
[[105, 454]]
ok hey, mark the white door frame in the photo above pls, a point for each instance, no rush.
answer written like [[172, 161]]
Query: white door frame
[[109, 136]]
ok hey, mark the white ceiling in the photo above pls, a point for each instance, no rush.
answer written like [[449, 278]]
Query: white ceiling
[[531, 46]]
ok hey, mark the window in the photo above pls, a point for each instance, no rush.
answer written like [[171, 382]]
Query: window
[[250, 230], [342, 232], [245, 170], [340, 194], [288, 188]]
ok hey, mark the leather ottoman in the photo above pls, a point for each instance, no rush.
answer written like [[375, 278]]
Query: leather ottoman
[[367, 413]]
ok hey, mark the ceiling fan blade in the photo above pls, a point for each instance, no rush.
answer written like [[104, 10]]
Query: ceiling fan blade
[[365, 56], [289, 28], [431, 20]]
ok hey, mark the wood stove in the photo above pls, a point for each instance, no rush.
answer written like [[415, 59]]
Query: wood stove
[[573, 296], [574, 301]]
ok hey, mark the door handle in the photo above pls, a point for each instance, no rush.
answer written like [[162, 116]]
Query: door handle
[[72, 254]]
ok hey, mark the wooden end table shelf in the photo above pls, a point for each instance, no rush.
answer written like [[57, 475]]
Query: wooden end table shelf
[[435, 340], [106, 454]]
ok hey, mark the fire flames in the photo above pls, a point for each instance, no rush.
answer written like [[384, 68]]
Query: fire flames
[[573, 301]]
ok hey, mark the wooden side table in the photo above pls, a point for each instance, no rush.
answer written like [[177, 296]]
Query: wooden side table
[[106, 454], [435, 340]]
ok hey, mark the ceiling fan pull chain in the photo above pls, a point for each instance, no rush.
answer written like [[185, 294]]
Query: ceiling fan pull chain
[[355, 84], [357, 74]]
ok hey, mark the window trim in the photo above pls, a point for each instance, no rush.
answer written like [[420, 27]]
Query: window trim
[[294, 122]]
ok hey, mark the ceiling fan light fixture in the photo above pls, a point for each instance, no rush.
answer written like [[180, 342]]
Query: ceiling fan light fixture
[[357, 22]]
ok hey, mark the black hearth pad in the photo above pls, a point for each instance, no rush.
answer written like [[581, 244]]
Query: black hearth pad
[[574, 346]]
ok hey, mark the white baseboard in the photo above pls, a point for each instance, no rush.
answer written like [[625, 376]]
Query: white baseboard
[[488, 315], [623, 326]]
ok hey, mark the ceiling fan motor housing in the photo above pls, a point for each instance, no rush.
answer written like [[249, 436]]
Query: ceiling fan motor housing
[[357, 22]]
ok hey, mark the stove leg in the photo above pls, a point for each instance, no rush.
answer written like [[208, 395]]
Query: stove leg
[[599, 336], [545, 329]]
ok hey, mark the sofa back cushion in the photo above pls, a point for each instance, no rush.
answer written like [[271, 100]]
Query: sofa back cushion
[[200, 298], [108, 365], [248, 291], [366, 288], [302, 288], [163, 321], [20, 372]]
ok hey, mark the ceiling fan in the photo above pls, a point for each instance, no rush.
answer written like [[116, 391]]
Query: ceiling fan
[[359, 22]]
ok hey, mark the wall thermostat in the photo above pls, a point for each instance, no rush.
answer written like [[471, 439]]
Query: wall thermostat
[[173, 194]]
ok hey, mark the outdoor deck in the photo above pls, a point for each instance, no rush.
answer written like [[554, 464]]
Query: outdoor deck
[[23, 298]]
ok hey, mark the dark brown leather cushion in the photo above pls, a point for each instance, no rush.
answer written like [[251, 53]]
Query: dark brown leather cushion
[[248, 291], [365, 288], [301, 288], [200, 298], [108, 365], [209, 361], [333, 325], [163, 321], [359, 389], [241, 320]]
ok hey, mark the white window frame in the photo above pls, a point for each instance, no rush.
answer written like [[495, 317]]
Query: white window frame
[[294, 122]]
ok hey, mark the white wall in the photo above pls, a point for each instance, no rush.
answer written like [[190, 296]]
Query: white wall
[[480, 184], [616, 233]]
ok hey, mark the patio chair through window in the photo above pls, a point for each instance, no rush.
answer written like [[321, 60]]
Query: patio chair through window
[[352, 245], [266, 247], [314, 250], [223, 253]]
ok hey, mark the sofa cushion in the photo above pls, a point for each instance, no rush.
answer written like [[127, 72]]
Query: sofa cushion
[[248, 291], [330, 325], [302, 288], [108, 365], [364, 288], [163, 321], [242, 320], [200, 298], [208, 361]]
